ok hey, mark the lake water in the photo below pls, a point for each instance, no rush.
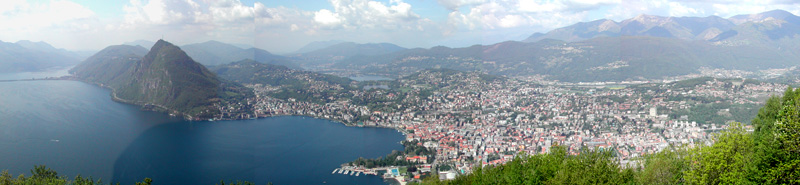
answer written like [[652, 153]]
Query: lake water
[[57, 72], [73, 127]]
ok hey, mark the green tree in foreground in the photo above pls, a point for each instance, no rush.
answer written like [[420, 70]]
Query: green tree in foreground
[[556, 167], [724, 162]]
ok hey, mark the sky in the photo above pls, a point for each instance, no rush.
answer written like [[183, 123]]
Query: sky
[[283, 26]]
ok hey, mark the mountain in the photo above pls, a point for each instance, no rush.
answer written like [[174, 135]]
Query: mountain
[[297, 84], [143, 43], [27, 56], [711, 28], [213, 53], [764, 28], [318, 45], [165, 79], [343, 50], [348, 49], [641, 48], [598, 59], [47, 48], [687, 28], [775, 14], [107, 65]]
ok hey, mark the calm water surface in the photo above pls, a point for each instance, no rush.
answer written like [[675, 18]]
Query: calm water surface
[[74, 128], [56, 72]]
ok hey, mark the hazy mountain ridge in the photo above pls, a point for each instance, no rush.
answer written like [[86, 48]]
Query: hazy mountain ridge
[[213, 53], [340, 51], [599, 59], [106, 65], [165, 78], [143, 43], [608, 54], [317, 45], [687, 28], [27, 56]]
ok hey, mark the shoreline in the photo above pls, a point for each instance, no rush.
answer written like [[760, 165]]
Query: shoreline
[[130, 102]]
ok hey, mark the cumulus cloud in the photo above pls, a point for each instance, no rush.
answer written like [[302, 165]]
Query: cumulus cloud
[[327, 18], [522, 13], [231, 10], [368, 14]]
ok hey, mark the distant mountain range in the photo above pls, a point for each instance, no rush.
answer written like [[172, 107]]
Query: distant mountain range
[[27, 56], [297, 84], [317, 45], [687, 28], [340, 51], [164, 78], [640, 48]]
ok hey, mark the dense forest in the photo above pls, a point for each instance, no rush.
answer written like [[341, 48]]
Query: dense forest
[[769, 154]]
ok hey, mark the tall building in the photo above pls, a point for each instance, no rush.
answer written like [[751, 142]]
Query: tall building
[[653, 111]]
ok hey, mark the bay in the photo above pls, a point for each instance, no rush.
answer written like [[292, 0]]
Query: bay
[[75, 128]]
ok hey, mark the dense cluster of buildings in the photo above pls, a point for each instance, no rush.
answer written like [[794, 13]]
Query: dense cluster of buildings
[[471, 120]]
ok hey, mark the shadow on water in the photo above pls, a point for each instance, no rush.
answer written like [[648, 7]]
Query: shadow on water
[[282, 150]]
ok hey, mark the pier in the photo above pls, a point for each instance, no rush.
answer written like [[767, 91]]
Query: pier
[[354, 171]]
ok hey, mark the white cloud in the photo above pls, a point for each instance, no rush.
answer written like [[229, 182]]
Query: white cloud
[[10, 5], [532, 6], [522, 13], [162, 12], [355, 14], [455, 4], [327, 18], [231, 10]]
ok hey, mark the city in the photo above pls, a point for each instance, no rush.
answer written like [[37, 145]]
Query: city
[[471, 119]]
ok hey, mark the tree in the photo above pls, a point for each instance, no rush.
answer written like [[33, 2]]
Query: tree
[[412, 169], [664, 167], [724, 162], [775, 140], [147, 181]]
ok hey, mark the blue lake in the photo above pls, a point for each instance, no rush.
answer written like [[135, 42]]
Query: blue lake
[[73, 128]]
